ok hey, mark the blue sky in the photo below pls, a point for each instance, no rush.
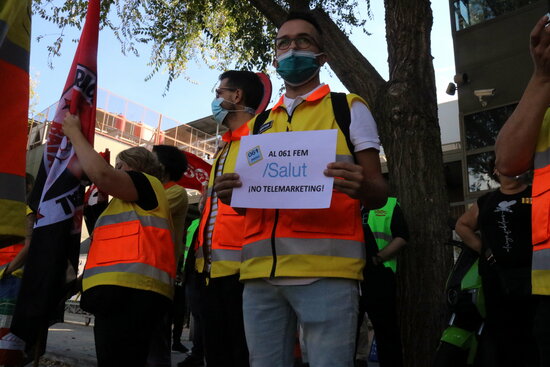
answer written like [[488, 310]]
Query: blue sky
[[188, 100]]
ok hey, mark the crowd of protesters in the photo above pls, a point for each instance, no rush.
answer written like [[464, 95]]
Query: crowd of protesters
[[264, 283]]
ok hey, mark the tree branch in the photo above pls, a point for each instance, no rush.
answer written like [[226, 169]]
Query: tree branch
[[299, 5], [271, 10], [352, 68]]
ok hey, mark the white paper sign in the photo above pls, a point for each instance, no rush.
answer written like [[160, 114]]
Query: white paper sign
[[285, 170]]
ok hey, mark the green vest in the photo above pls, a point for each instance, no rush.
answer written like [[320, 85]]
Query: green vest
[[189, 239], [380, 224]]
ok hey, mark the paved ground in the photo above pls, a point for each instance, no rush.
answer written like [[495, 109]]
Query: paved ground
[[71, 344]]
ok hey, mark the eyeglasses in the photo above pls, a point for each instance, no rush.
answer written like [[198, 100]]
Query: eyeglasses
[[220, 89], [300, 42]]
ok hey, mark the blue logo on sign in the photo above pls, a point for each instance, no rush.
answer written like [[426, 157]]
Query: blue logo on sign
[[254, 155]]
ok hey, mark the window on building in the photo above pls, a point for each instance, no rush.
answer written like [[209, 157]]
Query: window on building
[[480, 133], [471, 12], [479, 174], [481, 129]]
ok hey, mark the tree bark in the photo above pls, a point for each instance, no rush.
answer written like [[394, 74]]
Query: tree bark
[[405, 108], [412, 141]]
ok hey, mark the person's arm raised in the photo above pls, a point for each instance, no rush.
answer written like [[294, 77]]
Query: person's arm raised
[[517, 140], [114, 182]]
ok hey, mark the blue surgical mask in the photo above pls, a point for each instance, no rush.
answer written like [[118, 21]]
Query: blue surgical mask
[[220, 113], [298, 67]]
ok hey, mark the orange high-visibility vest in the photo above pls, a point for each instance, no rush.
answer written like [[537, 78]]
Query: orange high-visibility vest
[[7, 254], [132, 247], [541, 212], [15, 28], [227, 234], [306, 242]]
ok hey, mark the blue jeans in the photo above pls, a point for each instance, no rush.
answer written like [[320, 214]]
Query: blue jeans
[[326, 309]]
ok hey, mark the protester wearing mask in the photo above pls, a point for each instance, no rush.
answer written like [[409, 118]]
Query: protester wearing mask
[[305, 264], [220, 235]]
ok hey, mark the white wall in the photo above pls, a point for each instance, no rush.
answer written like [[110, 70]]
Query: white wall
[[448, 122]]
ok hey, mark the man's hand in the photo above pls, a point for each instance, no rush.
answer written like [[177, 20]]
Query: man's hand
[[348, 178], [540, 49], [224, 184], [71, 125]]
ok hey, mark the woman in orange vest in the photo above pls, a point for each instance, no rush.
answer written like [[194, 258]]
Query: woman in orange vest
[[129, 275]]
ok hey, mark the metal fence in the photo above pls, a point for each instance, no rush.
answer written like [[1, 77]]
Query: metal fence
[[132, 124]]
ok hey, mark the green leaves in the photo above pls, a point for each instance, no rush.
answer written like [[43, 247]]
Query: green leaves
[[221, 34]]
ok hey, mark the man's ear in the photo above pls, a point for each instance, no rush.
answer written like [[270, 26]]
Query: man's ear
[[275, 63], [322, 59], [238, 96]]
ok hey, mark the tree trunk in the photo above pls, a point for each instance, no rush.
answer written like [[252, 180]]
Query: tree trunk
[[405, 109], [412, 141]]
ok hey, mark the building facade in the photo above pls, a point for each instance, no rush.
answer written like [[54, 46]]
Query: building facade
[[493, 66]]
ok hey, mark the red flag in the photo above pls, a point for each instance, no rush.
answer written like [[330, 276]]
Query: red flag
[[58, 194], [197, 174]]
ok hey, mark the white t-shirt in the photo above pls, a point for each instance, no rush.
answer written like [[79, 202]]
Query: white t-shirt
[[362, 130]]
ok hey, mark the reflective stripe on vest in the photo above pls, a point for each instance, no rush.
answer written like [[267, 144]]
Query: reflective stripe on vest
[[309, 242], [305, 246], [380, 224], [145, 221], [227, 234], [132, 247], [540, 221], [15, 28]]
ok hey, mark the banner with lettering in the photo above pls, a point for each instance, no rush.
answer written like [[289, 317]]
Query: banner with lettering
[[285, 170], [57, 197]]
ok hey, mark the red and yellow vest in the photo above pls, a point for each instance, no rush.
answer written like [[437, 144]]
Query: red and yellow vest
[[227, 236], [307, 242], [15, 37], [7, 254], [132, 247], [541, 212]]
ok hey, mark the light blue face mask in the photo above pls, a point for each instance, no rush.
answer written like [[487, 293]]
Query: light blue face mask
[[298, 67], [220, 113]]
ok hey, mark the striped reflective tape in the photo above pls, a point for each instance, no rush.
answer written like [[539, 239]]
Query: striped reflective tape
[[305, 246]]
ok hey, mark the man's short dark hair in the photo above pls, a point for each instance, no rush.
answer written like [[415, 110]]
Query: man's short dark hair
[[173, 160], [306, 17], [249, 83]]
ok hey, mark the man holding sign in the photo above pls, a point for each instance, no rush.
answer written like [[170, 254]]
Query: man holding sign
[[305, 263]]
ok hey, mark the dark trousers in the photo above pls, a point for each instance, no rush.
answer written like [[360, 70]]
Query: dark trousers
[[225, 342], [123, 333], [160, 353], [379, 301], [507, 338], [541, 328], [179, 311], [193, 291]]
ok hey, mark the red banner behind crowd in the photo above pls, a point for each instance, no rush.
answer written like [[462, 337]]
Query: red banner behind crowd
[[15, 40], [58, 194], [197, 174]]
